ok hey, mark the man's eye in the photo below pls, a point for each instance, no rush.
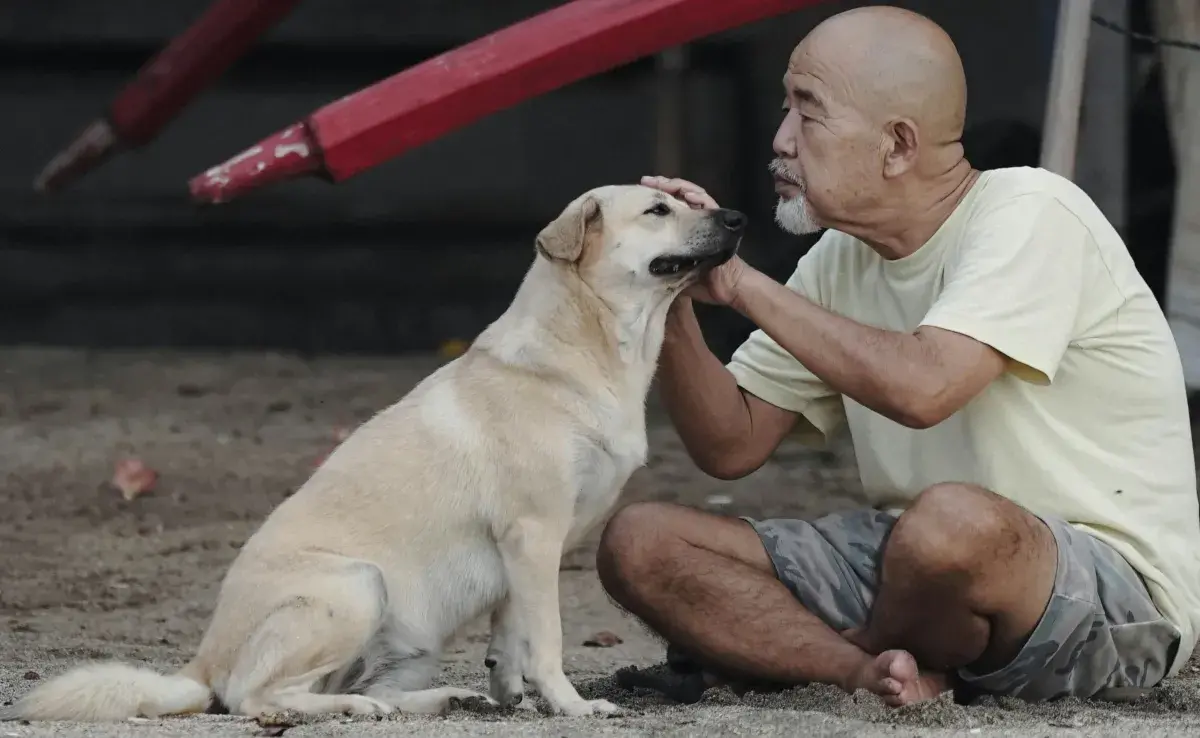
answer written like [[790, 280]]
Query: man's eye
[[661, 209]]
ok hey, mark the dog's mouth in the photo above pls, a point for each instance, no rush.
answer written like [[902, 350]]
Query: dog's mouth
[[666, 266], [670, 266]]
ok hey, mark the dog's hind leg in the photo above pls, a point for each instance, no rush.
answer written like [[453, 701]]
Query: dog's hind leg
[[308, 637], [427, 701], [397, 672]]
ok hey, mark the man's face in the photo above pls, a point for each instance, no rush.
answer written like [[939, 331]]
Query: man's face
[[823, 148]]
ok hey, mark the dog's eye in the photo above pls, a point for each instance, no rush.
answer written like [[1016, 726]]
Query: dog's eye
[[661, 210]]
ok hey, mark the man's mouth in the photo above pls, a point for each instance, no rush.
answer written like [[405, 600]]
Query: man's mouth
[[783, 177]]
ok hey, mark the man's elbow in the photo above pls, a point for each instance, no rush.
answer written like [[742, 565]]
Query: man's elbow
[[729, 465], [923, 410]]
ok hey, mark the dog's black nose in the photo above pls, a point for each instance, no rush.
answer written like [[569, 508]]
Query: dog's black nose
[[732, 219]]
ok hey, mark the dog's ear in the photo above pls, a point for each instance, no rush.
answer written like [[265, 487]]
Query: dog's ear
[[564, 238]]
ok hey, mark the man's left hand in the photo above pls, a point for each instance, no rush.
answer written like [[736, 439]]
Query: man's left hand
[[720, 285]]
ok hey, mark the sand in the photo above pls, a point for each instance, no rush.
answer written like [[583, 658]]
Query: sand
[[86, 574]]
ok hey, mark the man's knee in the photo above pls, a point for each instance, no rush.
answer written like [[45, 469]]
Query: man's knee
[[960, 528], [632, 540]]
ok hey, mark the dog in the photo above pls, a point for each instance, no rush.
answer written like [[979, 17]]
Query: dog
[[458, 500]]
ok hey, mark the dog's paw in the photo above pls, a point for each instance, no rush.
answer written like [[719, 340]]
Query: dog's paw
[[587, 707], [506, 684], [510, 699]]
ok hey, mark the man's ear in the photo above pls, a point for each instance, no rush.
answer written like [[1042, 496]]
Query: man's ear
[[905, 140], [564, 238]]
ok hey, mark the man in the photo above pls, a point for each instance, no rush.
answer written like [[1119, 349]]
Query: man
[[1014, 395]]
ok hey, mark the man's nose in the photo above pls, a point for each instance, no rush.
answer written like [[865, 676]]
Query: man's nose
[[784, 143]]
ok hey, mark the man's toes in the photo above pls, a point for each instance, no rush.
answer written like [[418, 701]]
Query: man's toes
[[898, 665], [899, 682], [890, 686]]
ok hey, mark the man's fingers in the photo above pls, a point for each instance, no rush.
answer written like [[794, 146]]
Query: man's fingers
[[672, 185], [700, 200]]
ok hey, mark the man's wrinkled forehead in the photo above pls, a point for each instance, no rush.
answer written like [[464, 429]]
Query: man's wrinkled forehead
[[827, 76], [802, 83]]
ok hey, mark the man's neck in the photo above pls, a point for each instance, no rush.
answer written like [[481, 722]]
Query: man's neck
[[906, 226]]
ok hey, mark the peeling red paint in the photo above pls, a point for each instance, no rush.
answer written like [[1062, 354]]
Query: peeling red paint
[[535, 56], [283, 155]]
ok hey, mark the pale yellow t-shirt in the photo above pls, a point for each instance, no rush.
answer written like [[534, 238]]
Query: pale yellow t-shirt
[[1090, 424]]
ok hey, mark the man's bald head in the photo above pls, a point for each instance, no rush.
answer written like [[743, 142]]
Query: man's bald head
[[876, 102], [890, 63]]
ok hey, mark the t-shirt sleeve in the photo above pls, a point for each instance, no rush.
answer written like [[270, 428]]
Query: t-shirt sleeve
[[766, 370], [1016, 283]]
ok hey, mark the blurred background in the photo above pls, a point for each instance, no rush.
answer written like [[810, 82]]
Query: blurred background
[[429, 247]]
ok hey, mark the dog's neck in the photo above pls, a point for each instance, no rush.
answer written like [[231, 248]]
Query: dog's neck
[[558, 323]]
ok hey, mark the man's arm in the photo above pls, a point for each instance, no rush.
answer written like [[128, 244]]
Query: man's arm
[[1010, 300], [917, 379], [728, 432]]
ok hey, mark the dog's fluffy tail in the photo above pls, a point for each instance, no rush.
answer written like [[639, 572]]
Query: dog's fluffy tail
[[110, 691]]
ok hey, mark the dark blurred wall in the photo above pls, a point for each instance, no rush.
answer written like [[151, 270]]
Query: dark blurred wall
[[427, 247]]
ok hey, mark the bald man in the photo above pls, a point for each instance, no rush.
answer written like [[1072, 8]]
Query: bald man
[[1013, 392]]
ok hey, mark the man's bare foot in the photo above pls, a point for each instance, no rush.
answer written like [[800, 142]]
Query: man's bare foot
[[893, 675]]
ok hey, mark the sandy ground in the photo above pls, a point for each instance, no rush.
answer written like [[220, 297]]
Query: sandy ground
[[85, 574]]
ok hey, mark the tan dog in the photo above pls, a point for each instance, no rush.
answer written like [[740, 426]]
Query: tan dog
[[456, 501]]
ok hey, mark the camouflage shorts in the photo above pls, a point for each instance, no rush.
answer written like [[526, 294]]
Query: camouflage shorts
[[1100, 635]]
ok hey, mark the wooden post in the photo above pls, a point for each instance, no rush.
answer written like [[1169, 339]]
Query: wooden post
[[671, 133], [1104, 128], [1060, 132], [1180, 19]]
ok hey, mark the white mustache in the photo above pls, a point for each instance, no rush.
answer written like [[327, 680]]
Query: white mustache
[[779, 168]]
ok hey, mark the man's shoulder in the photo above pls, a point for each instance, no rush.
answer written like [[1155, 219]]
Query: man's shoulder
[[1029, 189], [1017, 181]]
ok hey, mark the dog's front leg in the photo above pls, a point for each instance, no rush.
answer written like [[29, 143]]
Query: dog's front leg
[[507, 656], [531, 551]]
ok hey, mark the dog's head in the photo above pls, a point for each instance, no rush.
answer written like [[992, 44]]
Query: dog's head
[[628, 239]]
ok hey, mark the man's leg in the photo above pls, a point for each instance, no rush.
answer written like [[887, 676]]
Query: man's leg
[[707, 584], [1101, 635], [965, 577]]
